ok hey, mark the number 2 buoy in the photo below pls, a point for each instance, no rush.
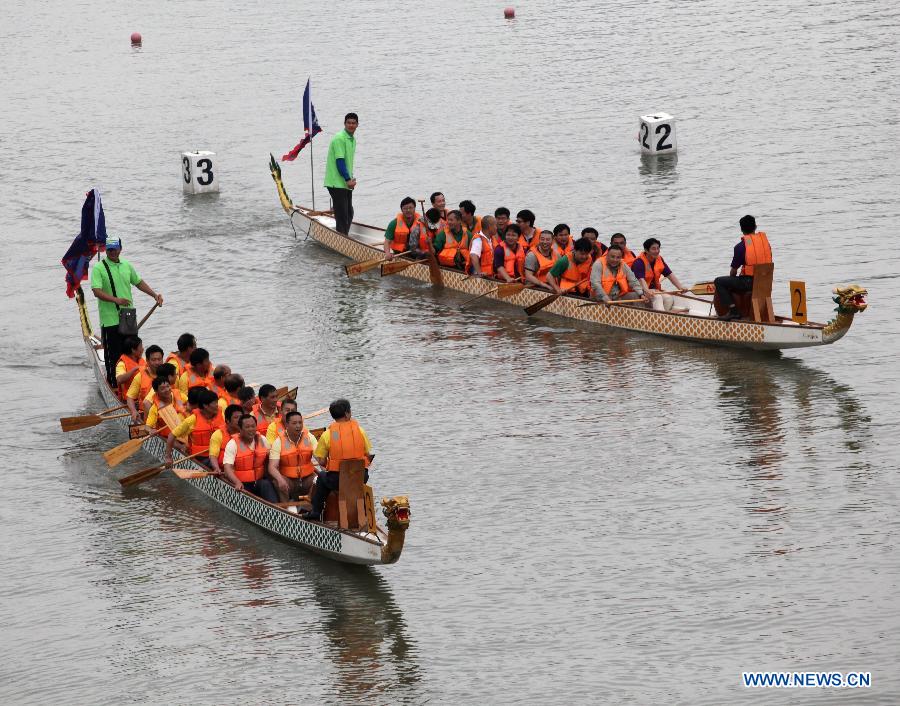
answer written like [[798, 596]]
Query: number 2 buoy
[[656, 134]]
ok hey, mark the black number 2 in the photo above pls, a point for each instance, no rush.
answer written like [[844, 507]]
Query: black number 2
[[645, 132], [205, 177], [667, 130], [798, 308], [187, 170]]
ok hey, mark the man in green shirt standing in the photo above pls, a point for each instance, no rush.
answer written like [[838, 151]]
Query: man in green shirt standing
[[111, 282], [339, 179]]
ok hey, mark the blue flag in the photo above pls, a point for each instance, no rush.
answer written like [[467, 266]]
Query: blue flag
[[87, 243], [310, 126]]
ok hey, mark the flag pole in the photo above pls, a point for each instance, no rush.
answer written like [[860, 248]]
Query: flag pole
[[312, 173]]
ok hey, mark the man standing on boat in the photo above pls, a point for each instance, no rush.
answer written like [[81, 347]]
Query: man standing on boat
[[111, 282], [339, 179], [752, 249]]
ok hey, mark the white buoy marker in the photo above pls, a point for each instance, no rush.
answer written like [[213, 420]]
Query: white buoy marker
[[199, 174], [656, 134]]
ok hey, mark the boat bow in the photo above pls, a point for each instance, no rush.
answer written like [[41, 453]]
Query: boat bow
[[850, 301]]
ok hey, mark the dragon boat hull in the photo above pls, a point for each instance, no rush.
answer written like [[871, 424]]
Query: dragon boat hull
[[342, 545]]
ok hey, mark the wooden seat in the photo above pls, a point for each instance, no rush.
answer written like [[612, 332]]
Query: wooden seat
[[351, 495], [755, 305]]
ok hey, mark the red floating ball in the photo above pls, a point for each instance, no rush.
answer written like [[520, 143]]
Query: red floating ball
[[509, 12], [135, 37]]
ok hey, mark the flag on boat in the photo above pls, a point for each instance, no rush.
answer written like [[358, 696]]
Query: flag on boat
[[87, 243], [310, 126]]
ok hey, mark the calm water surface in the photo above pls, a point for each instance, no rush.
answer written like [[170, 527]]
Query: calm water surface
[[598, 517]]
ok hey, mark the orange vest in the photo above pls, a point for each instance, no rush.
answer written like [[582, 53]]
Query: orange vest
[[175, 360], [608, 279], [628, 257], [203, 428], [400, 243], [513, 262], [652, 273], [249, 464], [219, 390], [575, 274], [195, 380], [558, 252], [262, 422], [757, 251], [176, 403], [346, 444], [130, 364], [146, 384], [476, 229], [544, 263], [296, 459], [447, 255], [487, 255], [528, 244]]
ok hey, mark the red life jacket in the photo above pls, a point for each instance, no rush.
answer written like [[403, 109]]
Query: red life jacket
[[250, 463]]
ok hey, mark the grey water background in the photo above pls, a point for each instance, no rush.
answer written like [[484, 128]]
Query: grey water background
[[598, 517]]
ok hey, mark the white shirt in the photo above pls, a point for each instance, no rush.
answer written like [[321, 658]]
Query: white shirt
[[231, 449]]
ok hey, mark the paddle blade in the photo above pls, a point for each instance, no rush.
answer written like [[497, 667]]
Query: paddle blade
[[395, 266], [357, 268], [510, 289], [317, 413], [703, 288], [141, 476], [170, 416], [434, 270], [119, 453], [83, 422], [537, 306]]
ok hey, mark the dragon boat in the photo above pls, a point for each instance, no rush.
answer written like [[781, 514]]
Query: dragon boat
[[368, 546], [693, 318]]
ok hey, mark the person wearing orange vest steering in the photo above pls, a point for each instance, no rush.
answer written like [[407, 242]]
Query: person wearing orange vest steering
[[220, 437], [244, 461], [452, 243], [129, 364], [571, 274], [539, 260], [291, 465], [509, 256], [198, 426], [404, 231], [198, 372], [181, 359], [650, 268], [613, 280], [628, 257], [481, 254], [142, 383], [344, 440], [752, 249]]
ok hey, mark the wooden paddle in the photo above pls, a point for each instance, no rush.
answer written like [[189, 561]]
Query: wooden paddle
[[357, 268], [703, 288], [434, 269], [547, 301], [147, 315], [317, 432], [507, 289], [119, 453], [284, 392], [317, 413], [614, 303], [153, 471], [90, 420], [392, 267]]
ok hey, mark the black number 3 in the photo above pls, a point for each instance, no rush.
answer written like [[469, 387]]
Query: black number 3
[[205, 167], [667, 129]]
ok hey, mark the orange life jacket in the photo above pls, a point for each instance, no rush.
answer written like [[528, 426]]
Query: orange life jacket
[[487, 255], [447, 255], [219, 390], [652, 273], [528, 244], [203, 428], [514, 262], [558, 252], [262, 422], [296, 459], [628, 257], [608, 278], [757, 251], [346, 444], [194, 379], [146, 383], [400, 243], [176, 403], [477, 229], [249, 463], [130, 364], [574, 275], [179, 364], [544, 263]]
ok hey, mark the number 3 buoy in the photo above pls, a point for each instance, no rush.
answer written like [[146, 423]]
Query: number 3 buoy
[[199, 174], [657, 134]]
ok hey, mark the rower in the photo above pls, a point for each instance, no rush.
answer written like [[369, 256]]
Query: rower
[[470, 221], [593, 235], [199, 425], [539, 260], [244, 461], [166, 396], [186, 344], [650, 268], [440, 203], [562, 240], [403, 230], [130, 363], [452, 243], [291, 459], [753, 249], [628, 257], [431, 227], [197, 372], [247, 399], [343, 440], [528, 233], [570, 274], [287, 405], [613, 280], [481, 254], [141, 384], [266, 410], [509, 256], [220, 372], [502, 215], [220, 437], [166, 371], [232, 384]]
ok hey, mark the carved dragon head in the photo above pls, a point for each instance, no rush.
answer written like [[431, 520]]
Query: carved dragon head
[[397, 512], [850, 299]]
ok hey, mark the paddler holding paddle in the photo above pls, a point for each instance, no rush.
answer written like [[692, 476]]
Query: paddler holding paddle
[[404, 231], [111, 282], [142, 383], [572, 273]]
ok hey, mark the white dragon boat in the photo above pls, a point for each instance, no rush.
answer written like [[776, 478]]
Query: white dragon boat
[[369, 546], [695, 318]]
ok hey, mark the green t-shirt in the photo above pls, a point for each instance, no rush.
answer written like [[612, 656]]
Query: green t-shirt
[[343, 146], [124, 276], [559, 267]]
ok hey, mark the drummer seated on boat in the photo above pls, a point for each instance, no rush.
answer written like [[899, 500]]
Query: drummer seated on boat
[[266, 410], [199, 425], [628, 257], [198, 372], [186, 344], [166, 371], [130, 363], [509, 256], [539, 260], [612, 280], [752, 249], [403, 231], [571, 274], [291, 465], [344, 440], [244, 461], [470, 221], [593, 235], [650, 268], [220, 437], [142, 383], [453, 242], [481, 254], [166, 396]]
